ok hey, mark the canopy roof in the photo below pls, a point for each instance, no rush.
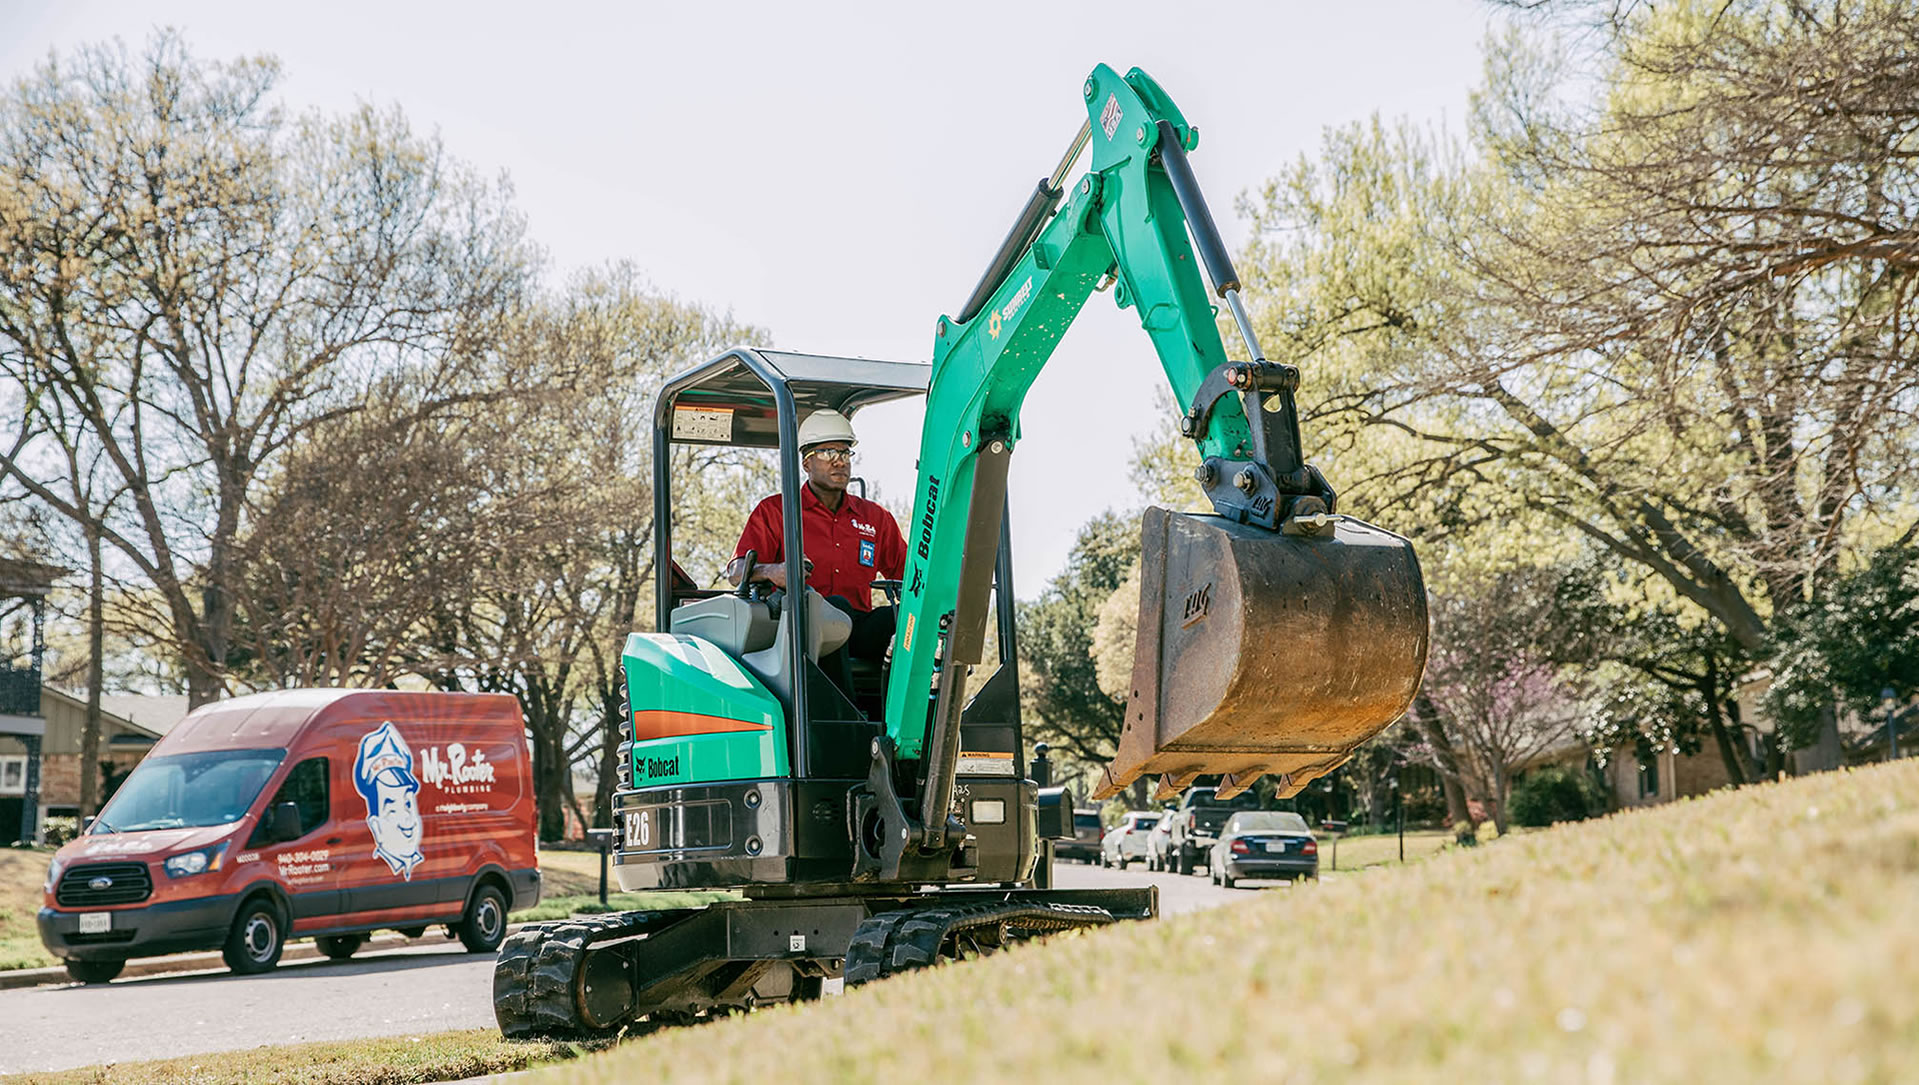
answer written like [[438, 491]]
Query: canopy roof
[[731, 399]]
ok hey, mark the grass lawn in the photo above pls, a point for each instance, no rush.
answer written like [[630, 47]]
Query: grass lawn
[[22, 872], [1764, 934], [1360, 852], [400, 1060], [571, 886]]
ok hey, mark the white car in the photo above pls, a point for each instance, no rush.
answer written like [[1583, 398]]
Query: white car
[[1159, 841], [1126, 841]]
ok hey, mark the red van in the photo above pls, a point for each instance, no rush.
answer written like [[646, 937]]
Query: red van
[[319, 813]]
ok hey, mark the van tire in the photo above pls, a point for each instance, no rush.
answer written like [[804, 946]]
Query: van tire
[[339, 947], [94, 971], [257, 939], [483, 927]]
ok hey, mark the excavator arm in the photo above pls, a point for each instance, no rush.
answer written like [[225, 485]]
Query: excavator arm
[[1129, 223]]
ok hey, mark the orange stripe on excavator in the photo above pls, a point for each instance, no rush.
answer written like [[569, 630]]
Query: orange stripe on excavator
[[666, 723]]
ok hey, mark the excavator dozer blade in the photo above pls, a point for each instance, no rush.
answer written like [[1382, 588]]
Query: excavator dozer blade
[[1261, 652]]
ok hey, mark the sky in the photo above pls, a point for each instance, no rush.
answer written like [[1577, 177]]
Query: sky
[[838, 174]]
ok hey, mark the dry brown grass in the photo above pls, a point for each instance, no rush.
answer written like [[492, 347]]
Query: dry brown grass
[[1763, 934], [23, 871], [399, 1060]]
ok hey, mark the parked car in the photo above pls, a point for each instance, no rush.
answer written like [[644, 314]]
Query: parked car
[[315, 813], [1264, 844], [1196, 823], [1159, 841], [1126, 841], [1084, 844]]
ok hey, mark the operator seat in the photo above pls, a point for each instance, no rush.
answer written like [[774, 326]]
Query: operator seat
[[749, 631]]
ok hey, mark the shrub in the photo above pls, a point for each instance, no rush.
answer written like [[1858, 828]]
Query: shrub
[[59, 830], [1554, 794]]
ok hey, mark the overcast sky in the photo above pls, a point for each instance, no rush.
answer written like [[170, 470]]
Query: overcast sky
[[839, 174]]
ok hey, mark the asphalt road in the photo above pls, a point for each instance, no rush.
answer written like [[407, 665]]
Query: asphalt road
[[421, 988]]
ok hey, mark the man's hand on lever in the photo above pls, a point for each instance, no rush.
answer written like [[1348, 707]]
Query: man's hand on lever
[[774, 573]]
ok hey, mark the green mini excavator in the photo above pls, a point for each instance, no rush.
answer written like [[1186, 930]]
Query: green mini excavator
[[884, 822]]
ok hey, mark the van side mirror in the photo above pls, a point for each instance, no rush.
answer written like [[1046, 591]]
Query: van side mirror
[[87, 822], [283, 823]]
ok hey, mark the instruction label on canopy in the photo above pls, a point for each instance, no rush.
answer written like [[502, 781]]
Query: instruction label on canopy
[[702, 424]]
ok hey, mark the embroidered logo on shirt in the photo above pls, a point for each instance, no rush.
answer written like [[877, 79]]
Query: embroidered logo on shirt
[[864, 529], [866, 552]]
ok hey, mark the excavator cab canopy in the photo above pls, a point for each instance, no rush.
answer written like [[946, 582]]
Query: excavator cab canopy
[[751, 398], [744, 396]]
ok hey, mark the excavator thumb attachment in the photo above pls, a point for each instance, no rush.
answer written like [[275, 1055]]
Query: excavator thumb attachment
[[1261, 651]]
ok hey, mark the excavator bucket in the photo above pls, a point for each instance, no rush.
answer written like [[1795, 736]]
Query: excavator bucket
[[1261, 652]]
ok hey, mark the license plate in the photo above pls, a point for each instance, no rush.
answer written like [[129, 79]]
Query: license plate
[[96, 922], [1276, 845]]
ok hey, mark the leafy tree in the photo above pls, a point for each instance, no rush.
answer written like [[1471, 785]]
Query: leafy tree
[[1059, 678], [1858, 640], [1668, 672]]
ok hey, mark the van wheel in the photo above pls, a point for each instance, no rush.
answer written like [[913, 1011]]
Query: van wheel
[[484, 926], [94, 971], [255, 943], [340, 946]]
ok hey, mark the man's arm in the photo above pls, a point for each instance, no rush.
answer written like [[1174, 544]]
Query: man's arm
[[892, 547], [763, 534]]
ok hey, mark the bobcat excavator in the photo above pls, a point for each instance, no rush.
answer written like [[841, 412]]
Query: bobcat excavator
[[885, 827]]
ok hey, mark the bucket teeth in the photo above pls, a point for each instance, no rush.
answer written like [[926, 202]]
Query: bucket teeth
[[1170, 785], [1233, 783]]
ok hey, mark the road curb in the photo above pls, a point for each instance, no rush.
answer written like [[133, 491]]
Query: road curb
[[211, 961]]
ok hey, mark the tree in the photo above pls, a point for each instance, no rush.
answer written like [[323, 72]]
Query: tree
[[203, 280], [507, 546], [1669, 672], [1059, 678], [1659, 302], [1499, 700], [1859, 640]]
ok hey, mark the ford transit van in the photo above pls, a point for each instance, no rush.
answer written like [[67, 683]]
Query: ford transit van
[[304, 813]]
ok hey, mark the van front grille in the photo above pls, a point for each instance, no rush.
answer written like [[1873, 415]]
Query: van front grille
[[100, 884]]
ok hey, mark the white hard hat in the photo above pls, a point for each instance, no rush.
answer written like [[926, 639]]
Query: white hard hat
[[826, 425]]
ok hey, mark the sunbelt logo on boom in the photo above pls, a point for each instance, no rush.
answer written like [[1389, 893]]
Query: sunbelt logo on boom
[[1005, 312]]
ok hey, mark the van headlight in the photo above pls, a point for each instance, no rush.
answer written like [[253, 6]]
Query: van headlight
[[53, 872], [195, 862]]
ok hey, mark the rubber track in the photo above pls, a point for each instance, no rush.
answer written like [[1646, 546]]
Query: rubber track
[[536, 981], [894, 942]]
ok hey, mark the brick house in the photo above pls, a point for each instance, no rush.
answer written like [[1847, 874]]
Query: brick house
[[124, 740]]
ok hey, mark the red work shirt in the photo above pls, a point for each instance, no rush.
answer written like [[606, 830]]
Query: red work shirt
[[849, 548]]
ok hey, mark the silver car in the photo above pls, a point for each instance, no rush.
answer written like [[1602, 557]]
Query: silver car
[[1126, 841], [1264, 844]]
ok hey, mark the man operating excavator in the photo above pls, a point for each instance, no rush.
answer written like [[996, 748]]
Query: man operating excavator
[[850, 541]]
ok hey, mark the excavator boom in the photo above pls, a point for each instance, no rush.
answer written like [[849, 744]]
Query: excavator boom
[[1275, 635]]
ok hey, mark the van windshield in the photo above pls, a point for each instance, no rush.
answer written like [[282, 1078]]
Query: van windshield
[[188, 790]]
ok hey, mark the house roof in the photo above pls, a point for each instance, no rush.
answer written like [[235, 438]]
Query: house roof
[[153, 713], [24, 578], [114, 720]]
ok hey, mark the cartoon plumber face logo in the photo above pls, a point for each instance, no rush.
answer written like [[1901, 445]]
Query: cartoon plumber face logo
[[383, 774]]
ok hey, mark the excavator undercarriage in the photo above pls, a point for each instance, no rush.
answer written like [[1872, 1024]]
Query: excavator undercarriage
[[596, 975]]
